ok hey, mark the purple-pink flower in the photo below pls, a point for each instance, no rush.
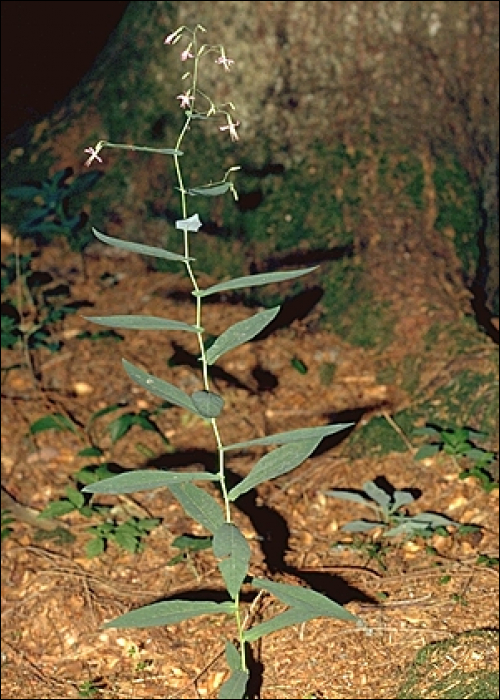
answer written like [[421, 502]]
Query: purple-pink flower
[[186, 54], [232, 130], [224, 61], [185, 99], [94, 155]]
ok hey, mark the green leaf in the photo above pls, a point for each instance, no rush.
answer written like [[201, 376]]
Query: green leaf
[[189, 543], [274, 464], [347, 496], [401, 498], [361, 526], [230, 545], [208, 404], [233, 656], [210, 190], [143, 323], [126, 540], [161, 388], [26, 192], [57, 508], [253, 281], [57, 421], [90, 452], [95, 547], [306, 600], [292, 616], [240, 333], [170, 613], [378, 495], [299, 365], [145, 480], [235, 686], [140, 248], [199, 505], [291, 436], [427, 451], [73, 495]]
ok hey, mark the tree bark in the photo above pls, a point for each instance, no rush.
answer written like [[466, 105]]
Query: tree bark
[[366, 75]]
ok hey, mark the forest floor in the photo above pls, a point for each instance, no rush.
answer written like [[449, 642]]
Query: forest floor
[[55, 600]]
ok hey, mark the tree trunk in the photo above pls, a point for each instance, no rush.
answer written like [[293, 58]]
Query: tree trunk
[[398, 94]]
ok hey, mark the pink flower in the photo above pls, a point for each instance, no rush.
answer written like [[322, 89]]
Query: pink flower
[[169, 39], [94, 155], [186, 54], [232, 130], [224, 61], [185, 100]]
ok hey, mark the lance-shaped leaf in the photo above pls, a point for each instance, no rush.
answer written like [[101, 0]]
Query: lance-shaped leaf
[[170, 612], [306, 600], [240, 333], [200, 505], [143, 323], [274, 464], [292, 616], [400, 499], [349, 496], [210, 190], [235, 686], [377, 494], [140, 248], [230, 546], [145, 480], [207, 403], [291, 436], [233, 656], [253, 281], [159, 387]]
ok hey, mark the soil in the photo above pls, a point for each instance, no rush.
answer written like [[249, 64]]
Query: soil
[[55, 599]]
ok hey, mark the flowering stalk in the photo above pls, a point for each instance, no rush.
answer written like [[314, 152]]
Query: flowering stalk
[[229, 545]]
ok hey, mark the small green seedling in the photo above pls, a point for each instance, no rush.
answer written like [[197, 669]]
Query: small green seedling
[[50, 215], [128, 535], [7, 519], [461, 443], [388, 508]]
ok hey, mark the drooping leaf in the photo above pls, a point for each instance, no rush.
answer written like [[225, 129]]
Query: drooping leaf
[[240, 333], [207, 403], [253, 281], [233, 656], [235, 686], [210, 190], [143, 323], [170, 612], [291, 436], [161, 388], [292, 616], [230, 545], [139, 248], [276, 463], [306, 600], [145, 480], [199, 505]]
